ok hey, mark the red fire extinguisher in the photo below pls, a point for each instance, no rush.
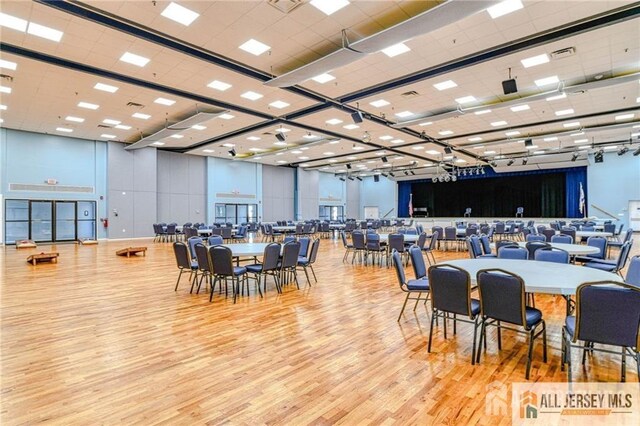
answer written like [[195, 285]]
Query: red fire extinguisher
[[105, 222]]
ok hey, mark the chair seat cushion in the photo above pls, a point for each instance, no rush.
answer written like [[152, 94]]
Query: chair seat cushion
[[475, 307], [609, 267], [303, 260], [239, 270], [615, 243], [255, 269], [418, 285], [533, 316], [570, 324]]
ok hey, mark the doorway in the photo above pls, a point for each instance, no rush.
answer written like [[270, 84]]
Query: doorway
[[371, 212], [634, 214]]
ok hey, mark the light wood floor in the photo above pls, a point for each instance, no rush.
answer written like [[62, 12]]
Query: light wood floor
[[101, 339]]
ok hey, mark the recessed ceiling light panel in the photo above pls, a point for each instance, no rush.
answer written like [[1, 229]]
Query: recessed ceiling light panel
[[254, 47], [44, 32], [105, 87], [180, 14], [329, 7], [132, 58], [445, 85]]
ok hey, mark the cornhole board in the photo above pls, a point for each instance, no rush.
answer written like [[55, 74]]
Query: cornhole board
[[25, 244], [88, 242], [43, 257], [131, 251]]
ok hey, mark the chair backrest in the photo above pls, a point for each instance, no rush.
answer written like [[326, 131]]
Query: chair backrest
[[397, 264], [290, 253], [609, 227], [600, 243], [216, 231], [535, 237], [417, 261], [288, 239], [225, 233], [221, 260], [412, 231], [471, 230], [192, 242], [183, 260], [422, 239], [396, 242], [628, 235], [373, 242], [215, 240], [171, 228], [633, 273], [504, 243], [203, 258], [450, 233], [304, 246], [271, 257], [467, 210], [540, 228], [608, 312], [343, 236], [562, 239], [502, 296], [358, 240], [518, 253], [486, 244], [450, 288], [623, 255], [438, 230], [313, 255], [474, 245], [532, 246], [434, 241], [549, 233], [550, 254], [499, 228], [588, 228]]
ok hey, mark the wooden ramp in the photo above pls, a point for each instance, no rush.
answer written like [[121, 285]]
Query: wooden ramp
[[88, 242], [25, 244], [43, 257], [132, 251]]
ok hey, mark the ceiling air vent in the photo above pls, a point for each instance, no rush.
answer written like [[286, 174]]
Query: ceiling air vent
[[134, 105], [104, 126], [6, 77], [285, 6], [411, 94], [563, 53]]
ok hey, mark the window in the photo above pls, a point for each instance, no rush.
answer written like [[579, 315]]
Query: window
[[236, 213], [331, 213]]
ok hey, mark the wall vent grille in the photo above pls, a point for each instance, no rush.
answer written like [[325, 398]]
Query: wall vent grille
[[50, 188], [234, 195]]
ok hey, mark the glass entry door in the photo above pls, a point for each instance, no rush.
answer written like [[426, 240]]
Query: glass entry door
[[65, 229], [41, 224]]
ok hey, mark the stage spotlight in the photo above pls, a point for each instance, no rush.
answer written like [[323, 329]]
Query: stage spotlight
[[434, 179], [599, 156], [623, 150], [524, 161], [376, 178], [482, 170], [406, 173], [447, 150], [493, 164], [280, 136], [575, 156], [359, 178], [342, 179], [413, 173], [391, 174], [350, 178], [464, 172], [454, 178], [636, 152], [447, 178], [384, 160], [348, 166], [232, 152], [385, 175], [510, 162], [356, 117]]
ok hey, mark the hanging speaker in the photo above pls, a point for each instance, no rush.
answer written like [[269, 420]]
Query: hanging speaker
[[509, 86], [356, 117], [280, 137], [376, 178]]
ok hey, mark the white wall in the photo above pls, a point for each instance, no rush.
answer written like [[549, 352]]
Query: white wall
[[182, 188], [612, 184], [234, 182], [383, 194], [277, 193], [308, 194]]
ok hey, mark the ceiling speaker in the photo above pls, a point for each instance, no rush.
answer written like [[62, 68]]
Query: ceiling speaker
[[356, 117], [509, 86], [280, 137], [376, 178]]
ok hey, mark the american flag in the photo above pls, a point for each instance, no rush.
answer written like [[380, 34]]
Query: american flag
[[582, 202], [410, 205]]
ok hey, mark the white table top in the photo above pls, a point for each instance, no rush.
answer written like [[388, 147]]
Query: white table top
[[336, 226], [572, 249], [408, 238], [539, 277], [592, 234], [247, 249], [284, 228]]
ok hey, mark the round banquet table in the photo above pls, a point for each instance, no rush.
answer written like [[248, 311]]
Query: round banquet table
[[590, 234], [247, 249], [408, 238], [572, 249], [539, 277], [287, 228]]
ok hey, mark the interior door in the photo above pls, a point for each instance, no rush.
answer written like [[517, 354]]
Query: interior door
[[242, 214], [86, 215], [65, 229], [371, 213], [41, 224]]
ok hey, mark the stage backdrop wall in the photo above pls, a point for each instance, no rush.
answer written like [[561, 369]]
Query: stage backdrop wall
[[542, 193]]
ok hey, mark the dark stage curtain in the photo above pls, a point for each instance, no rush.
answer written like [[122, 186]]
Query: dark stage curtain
[[404, 191], [573, 179]]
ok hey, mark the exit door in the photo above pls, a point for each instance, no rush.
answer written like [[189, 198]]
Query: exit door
[[634, 214]]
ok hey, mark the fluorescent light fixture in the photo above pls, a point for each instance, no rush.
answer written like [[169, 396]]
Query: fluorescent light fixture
[[228, 145], [328, 153], [432, 152], [565, 112], [256, 149], [164, 101], [328, 7], [489, 152], [257, 158], [535, 60], [132, 58], [445, 85], [180, 14], [499, 123], [622, 117], [4, 108], [303, 158], [519, 108], [334, 142], [475, 139], [177, 136], [282, 130], [279, 104], [226, 116], [584, 147], [198, 127], [252, 96], [323, 78], [460, 160], [426, 123], [296, 151], [404, 114], [253, 138], [379, 103], [105, 87], [358, 148], [310, 136], [611, 147], [504, 7], [108, 136], [8, 65], [13, 22], [281, 162], [74, 119], [482, 112], [88, 105], [64, 129], [572, 124], [219, 85], [538, 152], [417, 148], [396, 141], [111, 121], [386, 137], [581, 141], [122, 127], [254, 47], [513, 133], [557, 97], [304, 164], [532, 147], [141, 116], [333, 121], [4, 89], [577, 134], [465, 99], [44, 32], [551, 139], [547, 81], [351, 126], [332, 161], [280, 143], [208, 151], [158, 143], [445, 132], [396, 49]]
